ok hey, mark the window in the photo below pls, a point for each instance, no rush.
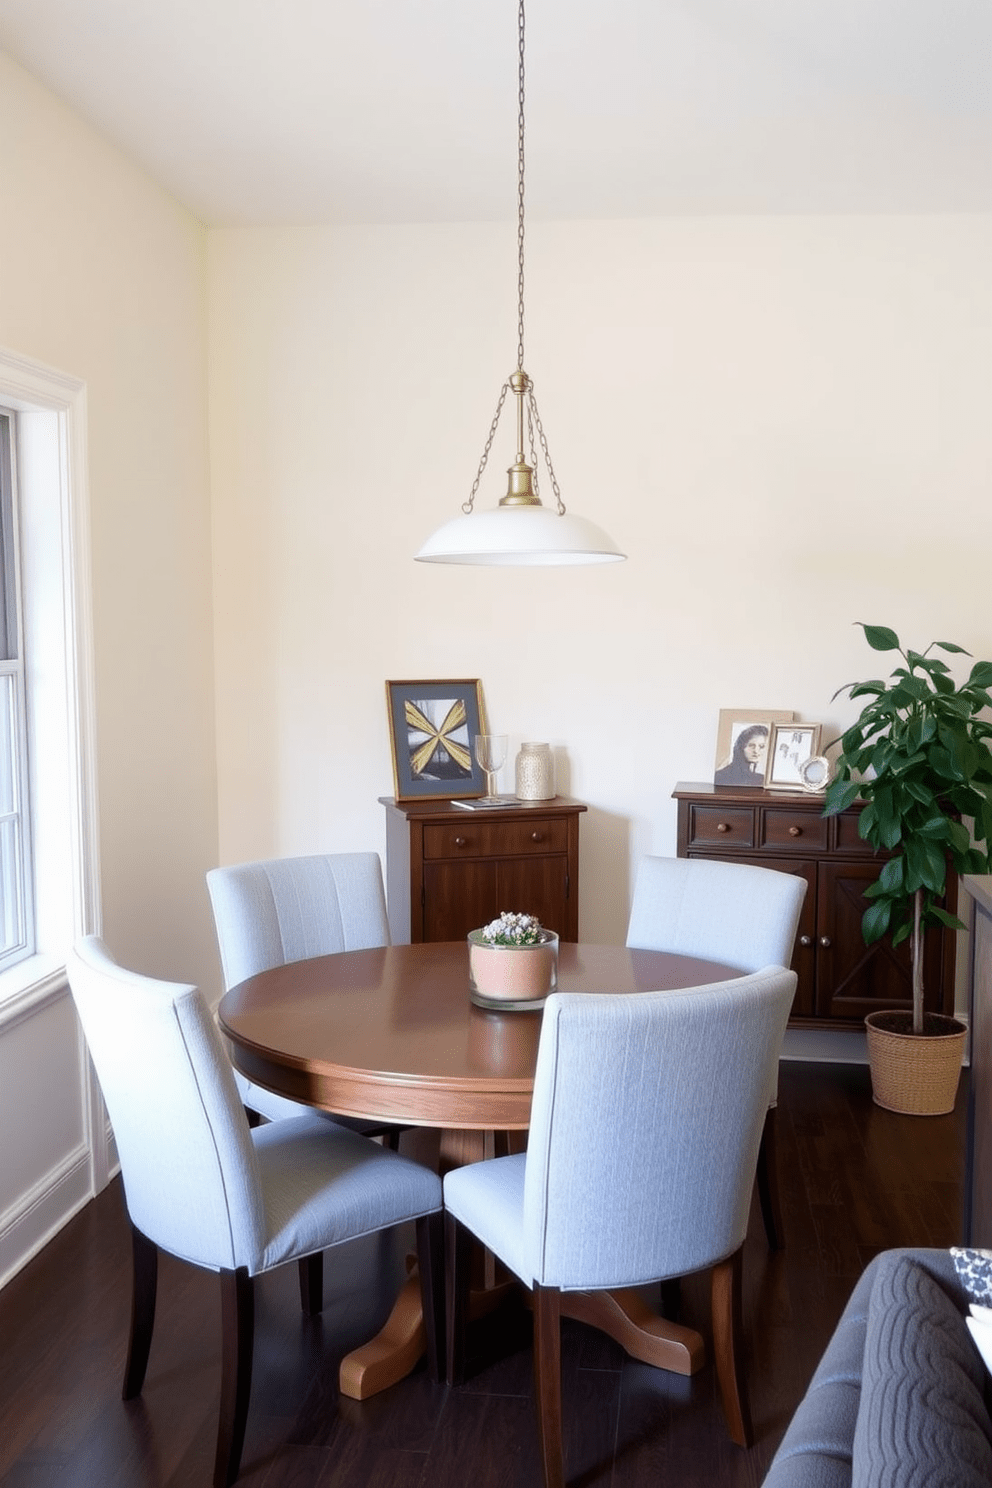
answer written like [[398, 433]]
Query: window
[[16, 918]]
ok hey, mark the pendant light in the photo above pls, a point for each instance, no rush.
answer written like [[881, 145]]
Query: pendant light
[[520, 531]]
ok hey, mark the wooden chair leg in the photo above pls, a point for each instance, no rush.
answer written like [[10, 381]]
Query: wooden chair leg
[[143, 1289], [430, 1263], [547, 1382], [767, 1176], [312, 1283], [391, 1139], [458, 1277], [728, 1347], [237, 1307]]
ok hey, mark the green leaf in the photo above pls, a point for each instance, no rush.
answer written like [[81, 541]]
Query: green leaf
[[951, 921], [890, 880], [880, 637], [875, 921], [839, 795], [899, 935], [980, 674], [950, 646]]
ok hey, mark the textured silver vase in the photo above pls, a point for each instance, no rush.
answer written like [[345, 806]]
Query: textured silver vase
[[535, 773]]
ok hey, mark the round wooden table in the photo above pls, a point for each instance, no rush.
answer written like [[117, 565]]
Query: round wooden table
[[391, 1033]]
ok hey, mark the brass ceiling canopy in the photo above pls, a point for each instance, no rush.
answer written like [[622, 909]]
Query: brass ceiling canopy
[[521, 531]]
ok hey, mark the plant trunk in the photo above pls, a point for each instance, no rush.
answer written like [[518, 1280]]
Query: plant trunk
[[916, 951]]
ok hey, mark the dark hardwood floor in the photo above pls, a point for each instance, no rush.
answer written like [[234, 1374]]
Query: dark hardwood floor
[[855, 1180]]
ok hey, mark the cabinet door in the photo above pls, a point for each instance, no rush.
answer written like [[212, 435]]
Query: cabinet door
[[537, 886], [804, 950], [458, 897], [854, 979]]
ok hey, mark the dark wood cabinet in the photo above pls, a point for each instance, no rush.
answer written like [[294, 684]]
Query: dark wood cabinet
[[840, 978], [448, 871]]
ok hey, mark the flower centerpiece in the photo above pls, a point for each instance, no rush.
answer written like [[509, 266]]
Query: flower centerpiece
[[513, 962]]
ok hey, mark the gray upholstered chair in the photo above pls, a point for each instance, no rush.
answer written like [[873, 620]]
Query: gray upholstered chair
[[739, 914], [202, 1185], [289, 909], [639, 1166]]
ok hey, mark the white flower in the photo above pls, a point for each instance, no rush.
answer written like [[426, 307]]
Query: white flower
[[513, 930]]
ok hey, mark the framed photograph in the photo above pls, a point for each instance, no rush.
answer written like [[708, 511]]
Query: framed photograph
[[742, 744], [790, 748], [432, 726]]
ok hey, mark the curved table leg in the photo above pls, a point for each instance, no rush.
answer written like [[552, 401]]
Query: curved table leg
[[640, 1331], [623, 1315]]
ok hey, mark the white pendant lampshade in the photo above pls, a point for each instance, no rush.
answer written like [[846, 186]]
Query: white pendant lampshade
[[520, 532], [519, 536]]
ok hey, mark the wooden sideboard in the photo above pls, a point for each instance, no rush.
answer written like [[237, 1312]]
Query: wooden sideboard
[[448, 871], [840, 978]]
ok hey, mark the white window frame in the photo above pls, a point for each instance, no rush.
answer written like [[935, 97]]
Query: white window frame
[[17, 926], [56, 601]]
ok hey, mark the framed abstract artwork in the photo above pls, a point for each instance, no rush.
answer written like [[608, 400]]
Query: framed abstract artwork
[[432, 729]]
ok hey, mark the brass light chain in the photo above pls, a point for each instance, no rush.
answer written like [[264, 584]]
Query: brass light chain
[[533, 417], [468, 505]]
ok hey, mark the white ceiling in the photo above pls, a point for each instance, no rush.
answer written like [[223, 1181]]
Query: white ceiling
[[296, 111]]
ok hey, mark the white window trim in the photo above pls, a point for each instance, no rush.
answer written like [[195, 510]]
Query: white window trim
[[32, 389]]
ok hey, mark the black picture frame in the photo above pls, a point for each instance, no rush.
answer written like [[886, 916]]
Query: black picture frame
[[432, 728]]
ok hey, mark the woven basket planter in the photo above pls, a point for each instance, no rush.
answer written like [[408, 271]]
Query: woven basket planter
[[913, 1074]]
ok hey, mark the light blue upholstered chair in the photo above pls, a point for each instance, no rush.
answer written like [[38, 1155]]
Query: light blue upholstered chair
[[203, 1186], [736, 913], [289, 909], [639, 1166]]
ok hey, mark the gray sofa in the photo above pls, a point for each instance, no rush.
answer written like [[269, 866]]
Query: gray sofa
[[901, 1395]]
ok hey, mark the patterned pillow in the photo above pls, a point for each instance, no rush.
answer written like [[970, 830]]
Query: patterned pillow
[[922, 1421], [974, 1268]]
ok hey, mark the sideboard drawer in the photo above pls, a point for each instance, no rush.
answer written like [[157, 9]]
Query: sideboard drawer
[[849, 839], [718, 826], [782, 826], [496, 839]]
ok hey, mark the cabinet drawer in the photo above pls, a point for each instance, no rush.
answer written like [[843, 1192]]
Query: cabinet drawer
[[542, 835], [721, 826], [781, 827], [847, 836]]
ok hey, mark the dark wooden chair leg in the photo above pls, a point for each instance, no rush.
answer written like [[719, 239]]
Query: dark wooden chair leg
[[767, 1175], [430, 1262], [312, 1283], [391, 1139], [728, 1347], [237, 1308], [547, 1382], [458, 1254], [143, 1289]]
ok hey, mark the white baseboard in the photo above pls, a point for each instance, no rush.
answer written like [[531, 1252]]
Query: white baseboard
[[826, 1045], [37, 1216]]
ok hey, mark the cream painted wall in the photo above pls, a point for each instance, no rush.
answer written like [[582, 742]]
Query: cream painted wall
[[102, 276], [784, 422]]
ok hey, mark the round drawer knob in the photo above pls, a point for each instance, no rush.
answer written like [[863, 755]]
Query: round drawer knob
[[805, 940], [459, 841], [825, 942], [795, 831], [722, 827], [537, 836]]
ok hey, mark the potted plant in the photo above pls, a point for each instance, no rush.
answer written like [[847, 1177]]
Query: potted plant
[[918, 756], [513, 962]]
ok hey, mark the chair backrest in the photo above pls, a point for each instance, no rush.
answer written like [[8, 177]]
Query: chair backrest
[[190, 1173], [645, 1125], [288, 909], [736, 913]]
